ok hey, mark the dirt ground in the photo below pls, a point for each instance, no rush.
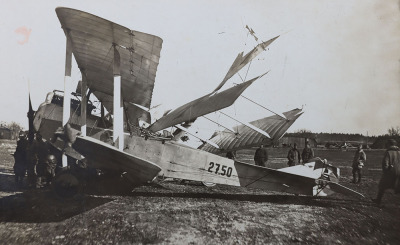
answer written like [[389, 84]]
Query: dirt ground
[[188, 213]]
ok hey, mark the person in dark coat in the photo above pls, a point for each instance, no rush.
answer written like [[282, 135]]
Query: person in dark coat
[[293, 156], [307, 153], [358, 163], [390, 171], [32, 163], [261, 156], [231, 155], [42, 151], [20, 157]]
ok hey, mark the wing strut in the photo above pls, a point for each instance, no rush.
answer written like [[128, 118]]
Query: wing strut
[[276, 113], [67, 88], [230, 130], [248, 125], [83, 102], [187, 131], [118, 123]]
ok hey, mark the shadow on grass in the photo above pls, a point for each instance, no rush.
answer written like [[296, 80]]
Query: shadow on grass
[[42, 206]]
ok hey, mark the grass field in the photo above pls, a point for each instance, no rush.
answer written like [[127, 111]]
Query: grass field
[[174, 213]]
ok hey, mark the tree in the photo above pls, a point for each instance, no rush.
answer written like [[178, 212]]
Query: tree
[[394, 131], [15, 129], [305, 133]]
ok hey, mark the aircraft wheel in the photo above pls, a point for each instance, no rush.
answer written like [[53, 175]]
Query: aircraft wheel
[[66, 185], [209, 184]]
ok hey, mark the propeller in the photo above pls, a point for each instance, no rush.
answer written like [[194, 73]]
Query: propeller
[[31, 114], [67, 134]]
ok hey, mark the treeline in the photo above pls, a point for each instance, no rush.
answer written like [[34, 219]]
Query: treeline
[[381, 141], [377, 142], [325, 137]]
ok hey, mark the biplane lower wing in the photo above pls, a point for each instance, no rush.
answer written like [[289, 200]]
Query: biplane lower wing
[[335, 187], [202, 166], [106, 157], [273, 180]]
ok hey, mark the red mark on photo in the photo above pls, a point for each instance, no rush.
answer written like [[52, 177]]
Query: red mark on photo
[[24, 32]]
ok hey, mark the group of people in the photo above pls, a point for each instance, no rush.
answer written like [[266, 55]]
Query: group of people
[[390, 169], [35, 160], [294, 157]]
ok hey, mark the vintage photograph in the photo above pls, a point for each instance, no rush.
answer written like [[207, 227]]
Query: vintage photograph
[[200, 122]]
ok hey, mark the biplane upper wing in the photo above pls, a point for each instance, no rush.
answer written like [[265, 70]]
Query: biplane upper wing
[[201, 106], [93, 39], [246, 137]]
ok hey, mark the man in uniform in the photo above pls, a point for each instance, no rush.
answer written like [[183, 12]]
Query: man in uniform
[[261, 156], [307, 153], [42, 152], [293, 156], [20, 158], [231, 155], [391, 171], [31, 163], [358, 163]]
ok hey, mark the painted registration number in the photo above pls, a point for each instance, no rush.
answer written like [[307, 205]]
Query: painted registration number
[[220, 169]]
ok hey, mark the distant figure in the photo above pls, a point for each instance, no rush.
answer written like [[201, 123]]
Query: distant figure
[[261, 156], [231, 155], [20, 155], [293, 156], [391, 171], [307, 153], [358, 163]]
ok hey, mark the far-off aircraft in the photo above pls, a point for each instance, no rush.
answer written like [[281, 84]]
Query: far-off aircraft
[[118, 66]]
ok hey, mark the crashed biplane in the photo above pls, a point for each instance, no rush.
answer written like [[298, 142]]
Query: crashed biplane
[[118, 66]]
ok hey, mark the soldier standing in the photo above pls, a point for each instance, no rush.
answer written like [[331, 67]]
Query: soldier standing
[[42, 151], [358, 163], [293, 156], [32, 163], [307, 153], [261, 156], [231, 155], [391, 171], [20, 158]]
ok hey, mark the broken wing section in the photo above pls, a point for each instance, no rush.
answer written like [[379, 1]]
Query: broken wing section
[[201, 106], [93, 41], [246, 137], [241, 61]]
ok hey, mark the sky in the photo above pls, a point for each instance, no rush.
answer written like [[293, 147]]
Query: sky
[[338, 60]]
